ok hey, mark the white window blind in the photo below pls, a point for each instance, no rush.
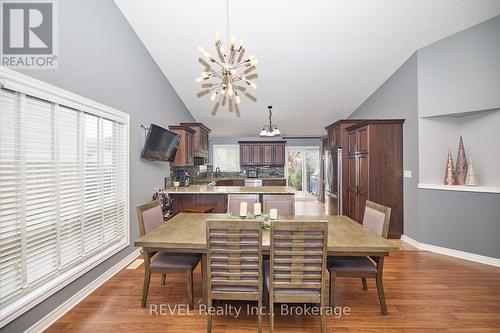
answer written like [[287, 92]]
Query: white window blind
[[63, 196], [226, 157]]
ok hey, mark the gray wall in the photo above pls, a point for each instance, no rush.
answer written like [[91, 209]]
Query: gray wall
[[397, 98], [101, 58], [464, 221], [461, 72]]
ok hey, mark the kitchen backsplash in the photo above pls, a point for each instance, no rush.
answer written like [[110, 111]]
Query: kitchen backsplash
[[199, 174]]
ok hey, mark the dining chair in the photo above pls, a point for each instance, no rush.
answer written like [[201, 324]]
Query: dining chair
[[234, 201], [150, 216], [376, 219], [295, 273], [285, 204], [234, 263]]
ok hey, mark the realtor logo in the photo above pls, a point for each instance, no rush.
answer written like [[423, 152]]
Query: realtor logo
[[29, 34]]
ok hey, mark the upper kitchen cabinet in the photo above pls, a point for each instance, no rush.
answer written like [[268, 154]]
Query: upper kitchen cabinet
[[185, 152], [262, 153], [200, 142], [337, 133]]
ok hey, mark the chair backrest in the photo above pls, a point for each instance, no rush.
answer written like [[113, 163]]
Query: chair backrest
[[285, 204], [149, 216], [377, 218], [298, 255], [234, 201], [234, 259]]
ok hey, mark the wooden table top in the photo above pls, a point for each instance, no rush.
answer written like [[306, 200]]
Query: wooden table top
[[186, 232]]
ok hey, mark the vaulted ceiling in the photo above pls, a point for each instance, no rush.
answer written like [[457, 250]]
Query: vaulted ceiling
[[318, 60]]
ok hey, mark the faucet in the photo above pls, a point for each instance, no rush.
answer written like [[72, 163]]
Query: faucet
[[217, 172]]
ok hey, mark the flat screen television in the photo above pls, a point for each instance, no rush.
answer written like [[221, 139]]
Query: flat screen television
[[161, 144]]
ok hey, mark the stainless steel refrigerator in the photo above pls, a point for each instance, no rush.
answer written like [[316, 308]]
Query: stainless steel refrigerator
[[333, 181]]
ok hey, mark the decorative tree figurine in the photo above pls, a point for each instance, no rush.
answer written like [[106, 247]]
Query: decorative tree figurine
[[449, 176], [471, 174], [461, 166]]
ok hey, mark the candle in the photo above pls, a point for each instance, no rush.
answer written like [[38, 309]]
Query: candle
[[257, 208], [273, 213], [243, 209]]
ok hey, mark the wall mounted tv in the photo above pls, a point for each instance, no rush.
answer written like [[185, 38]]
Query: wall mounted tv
[[161, 144]]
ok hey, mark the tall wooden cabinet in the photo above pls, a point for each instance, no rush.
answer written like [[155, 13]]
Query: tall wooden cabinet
[[375, 169]]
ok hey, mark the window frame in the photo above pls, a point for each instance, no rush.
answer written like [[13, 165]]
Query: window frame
[[26, 85], [237, 146]]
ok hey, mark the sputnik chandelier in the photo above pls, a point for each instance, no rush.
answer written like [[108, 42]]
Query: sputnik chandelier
[[232, 72]]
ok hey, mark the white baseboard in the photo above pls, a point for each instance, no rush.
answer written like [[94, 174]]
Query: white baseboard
[[58, 312], [452, 253]]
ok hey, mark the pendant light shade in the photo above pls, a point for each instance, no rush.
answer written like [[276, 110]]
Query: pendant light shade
[[271, 129]]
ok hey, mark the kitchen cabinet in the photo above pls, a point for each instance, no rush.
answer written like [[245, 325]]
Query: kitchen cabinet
[[262, 153], [185, 151], [267, 153], [274, 182], [200, 142], [245, 154], [375, 170]]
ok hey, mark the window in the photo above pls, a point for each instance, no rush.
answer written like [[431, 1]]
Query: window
[[226, 157], [63, 193]]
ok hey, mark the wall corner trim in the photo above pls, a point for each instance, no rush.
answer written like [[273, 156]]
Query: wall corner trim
[[62, 309], [452, 253]]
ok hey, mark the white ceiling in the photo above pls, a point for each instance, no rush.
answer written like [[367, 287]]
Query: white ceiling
[[318, 60]]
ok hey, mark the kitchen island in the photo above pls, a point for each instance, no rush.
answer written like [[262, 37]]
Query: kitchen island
[[214, 199]]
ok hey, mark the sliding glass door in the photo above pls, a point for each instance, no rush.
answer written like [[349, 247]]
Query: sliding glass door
[[302, 171]]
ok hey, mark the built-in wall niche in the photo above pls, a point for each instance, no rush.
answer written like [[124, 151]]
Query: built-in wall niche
[[481, 134]]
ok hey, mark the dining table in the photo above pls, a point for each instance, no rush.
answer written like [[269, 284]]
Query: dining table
[[186, 233]]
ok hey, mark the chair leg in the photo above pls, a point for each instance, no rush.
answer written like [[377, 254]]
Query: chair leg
[[332, 288], [365, 285], [259, 314], [145, 289], [322, 321], [189, 278], [163, 279], [209, 318], [271, 315], [204, 289], [381, 296]]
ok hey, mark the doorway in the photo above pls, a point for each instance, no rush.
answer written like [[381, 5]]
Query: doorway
[[302, 171]]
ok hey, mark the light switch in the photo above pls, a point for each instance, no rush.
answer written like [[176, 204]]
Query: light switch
[[407, 173]]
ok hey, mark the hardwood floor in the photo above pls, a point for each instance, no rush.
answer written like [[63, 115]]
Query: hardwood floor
[[425, 292]]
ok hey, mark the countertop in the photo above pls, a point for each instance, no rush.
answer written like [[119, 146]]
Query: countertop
[[210, 179], [204, 189]]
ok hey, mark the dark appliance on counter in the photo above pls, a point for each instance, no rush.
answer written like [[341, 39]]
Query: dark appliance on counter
[[333, 181], [182, 176], [161, 144], [252, 173]]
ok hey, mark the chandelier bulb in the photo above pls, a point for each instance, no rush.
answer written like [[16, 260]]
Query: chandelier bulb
[[252, 84], [214, 94], [199, 79], [217, 36], [237, 99]]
